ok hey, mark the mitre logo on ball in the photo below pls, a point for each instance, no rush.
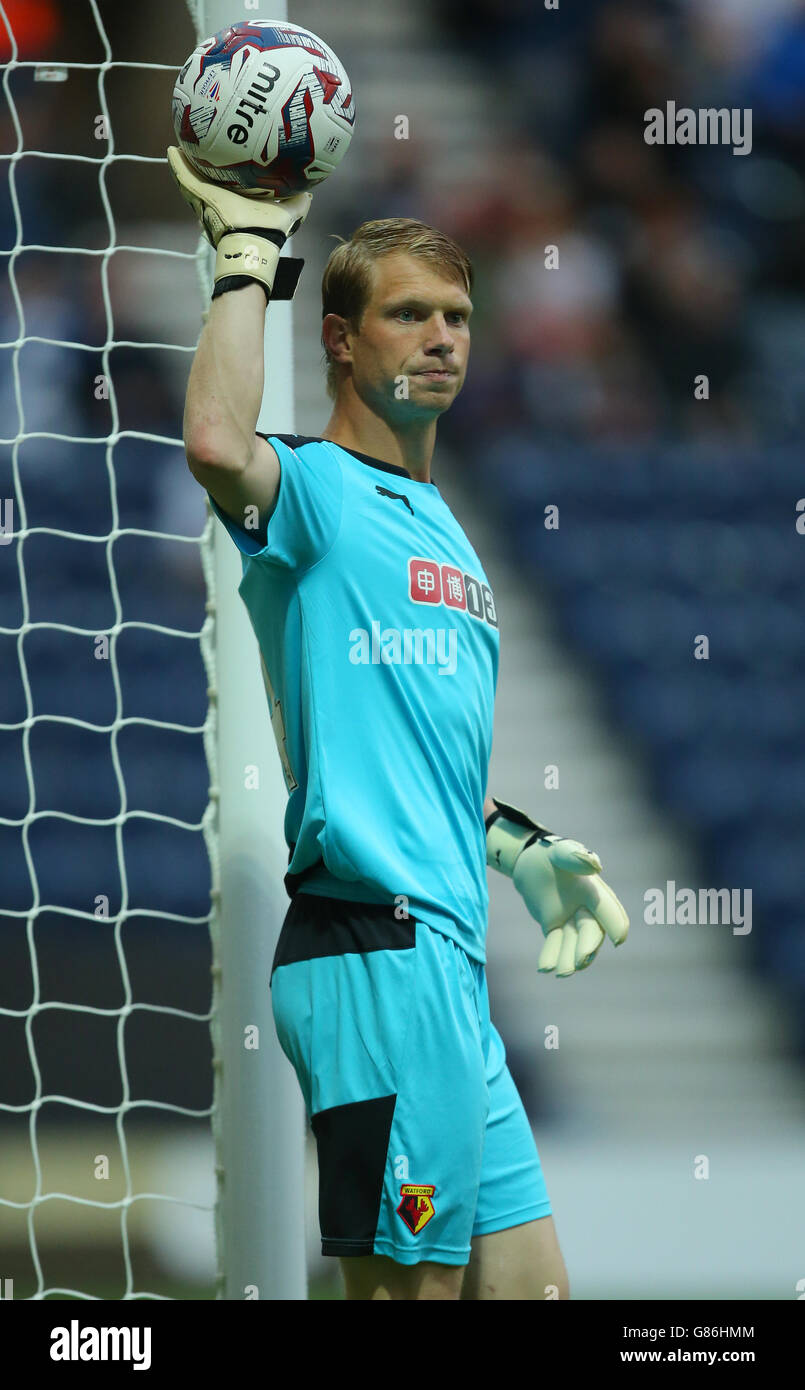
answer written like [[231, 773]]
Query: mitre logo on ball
[[264, 107]]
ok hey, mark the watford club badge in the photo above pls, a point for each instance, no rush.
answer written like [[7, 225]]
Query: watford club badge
[[416, 1207]]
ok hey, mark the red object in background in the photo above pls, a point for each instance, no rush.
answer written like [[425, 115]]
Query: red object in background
[[34, 23]]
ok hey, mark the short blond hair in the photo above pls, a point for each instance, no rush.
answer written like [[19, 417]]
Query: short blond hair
[[347, 281]]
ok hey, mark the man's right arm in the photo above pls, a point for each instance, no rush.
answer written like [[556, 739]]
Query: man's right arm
[[238, 468], [235, 465]]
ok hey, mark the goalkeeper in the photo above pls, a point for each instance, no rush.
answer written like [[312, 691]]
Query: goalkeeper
[[379, 641]]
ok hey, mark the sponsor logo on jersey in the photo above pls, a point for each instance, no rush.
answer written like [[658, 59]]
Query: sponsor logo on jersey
[[416, 1207], [435, 583]]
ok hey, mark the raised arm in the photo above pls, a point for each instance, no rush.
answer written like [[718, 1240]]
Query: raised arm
[[236, 466]]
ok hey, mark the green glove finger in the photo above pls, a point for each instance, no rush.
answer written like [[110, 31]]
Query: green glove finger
[[611, 914], [590, 938], [566, 965], [550, 952], [574, 857]]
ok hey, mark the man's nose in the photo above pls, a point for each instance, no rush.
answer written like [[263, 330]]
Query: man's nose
[[440, 338]]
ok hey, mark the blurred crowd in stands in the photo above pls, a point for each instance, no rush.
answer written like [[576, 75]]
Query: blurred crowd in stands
[[674, 260]]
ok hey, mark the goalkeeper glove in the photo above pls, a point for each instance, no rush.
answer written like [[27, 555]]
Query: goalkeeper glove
[[248, 233], [560, 884]]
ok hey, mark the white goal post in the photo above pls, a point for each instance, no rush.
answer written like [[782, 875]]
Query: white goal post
[[257, 1116], [258, 1119]]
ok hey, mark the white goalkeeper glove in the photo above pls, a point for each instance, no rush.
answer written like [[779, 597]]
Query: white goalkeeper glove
[[559, 880], [248, 232]]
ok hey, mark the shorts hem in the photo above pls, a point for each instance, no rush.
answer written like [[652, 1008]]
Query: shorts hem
[[414, 1257], [347, 1247], [515, 1218]]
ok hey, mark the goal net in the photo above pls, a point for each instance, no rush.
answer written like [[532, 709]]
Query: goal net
[[112, 1042]]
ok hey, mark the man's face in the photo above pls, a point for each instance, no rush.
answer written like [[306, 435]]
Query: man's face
[[409, 356]]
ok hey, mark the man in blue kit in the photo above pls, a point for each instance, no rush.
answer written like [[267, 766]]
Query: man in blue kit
[[379, 642]]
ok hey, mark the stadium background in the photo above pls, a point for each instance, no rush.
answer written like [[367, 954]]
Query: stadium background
[[677, 518]]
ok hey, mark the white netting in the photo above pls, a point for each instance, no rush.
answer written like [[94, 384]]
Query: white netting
[[43, 917]]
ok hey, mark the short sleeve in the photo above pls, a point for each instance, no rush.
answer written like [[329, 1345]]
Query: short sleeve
[[307, 514]]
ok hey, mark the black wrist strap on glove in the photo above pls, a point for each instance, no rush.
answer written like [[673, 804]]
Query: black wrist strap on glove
[[517, 818], [509, 831], [289, 268], [286, 276]]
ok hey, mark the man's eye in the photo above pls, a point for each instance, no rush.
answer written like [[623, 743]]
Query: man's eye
[[405, 311]]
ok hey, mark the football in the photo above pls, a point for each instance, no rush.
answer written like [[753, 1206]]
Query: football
[[264, 107]]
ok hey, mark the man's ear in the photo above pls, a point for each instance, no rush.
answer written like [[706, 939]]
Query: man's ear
[[335, 332]]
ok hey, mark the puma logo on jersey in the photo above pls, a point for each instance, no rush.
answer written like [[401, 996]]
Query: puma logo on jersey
[[398, 496]]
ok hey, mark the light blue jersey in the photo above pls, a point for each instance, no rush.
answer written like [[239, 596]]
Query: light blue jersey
[[379, 641]]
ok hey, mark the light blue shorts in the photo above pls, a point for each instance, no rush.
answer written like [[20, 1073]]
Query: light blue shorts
[[422, 1138]]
